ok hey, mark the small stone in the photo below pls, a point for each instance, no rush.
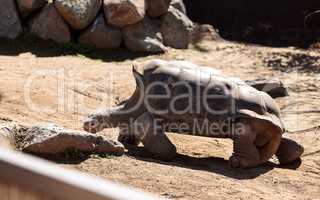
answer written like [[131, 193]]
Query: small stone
[[144, 36], [10, 25], [124, 12], [203, 32], [49, 25], [176, 29], [101, 35], [78, 13]]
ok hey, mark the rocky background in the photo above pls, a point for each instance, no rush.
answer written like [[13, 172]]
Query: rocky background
[[272, 23], [138, 25]]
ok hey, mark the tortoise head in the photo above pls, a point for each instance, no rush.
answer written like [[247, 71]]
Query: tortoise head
[[98, 121], [92, 124]]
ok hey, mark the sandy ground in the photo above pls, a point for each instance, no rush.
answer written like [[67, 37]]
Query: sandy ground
[[37, 87]]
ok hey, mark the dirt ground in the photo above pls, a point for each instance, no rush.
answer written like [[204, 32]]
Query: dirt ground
[[31, 93]]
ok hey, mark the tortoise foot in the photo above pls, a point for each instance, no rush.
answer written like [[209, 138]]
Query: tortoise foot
[[241, 162], [128, 140]]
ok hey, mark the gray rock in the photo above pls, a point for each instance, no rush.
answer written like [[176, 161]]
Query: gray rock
[[176, 29], [203, 32], [101, 35], [124, 12], [10, 25], [26, 7], [156, 8], [52, 139], [78, 13], [179, 5], [49, 25], [144, 36]]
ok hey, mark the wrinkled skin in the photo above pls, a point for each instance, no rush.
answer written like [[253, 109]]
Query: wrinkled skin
[[249, 117]]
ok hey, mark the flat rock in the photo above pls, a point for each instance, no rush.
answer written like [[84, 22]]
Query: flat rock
[[156, 8], [78, 13], [176, 29], [26, 7], [179, 5], [144, 36], [52, 139], [101, 35], [49, 25], [274, 87], [124, 12], [10, 25]]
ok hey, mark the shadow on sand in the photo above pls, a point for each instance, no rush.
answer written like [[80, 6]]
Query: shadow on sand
[[41, 48], [210, 164]]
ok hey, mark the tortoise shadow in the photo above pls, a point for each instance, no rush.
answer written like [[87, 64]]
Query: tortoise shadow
[[210, 164]]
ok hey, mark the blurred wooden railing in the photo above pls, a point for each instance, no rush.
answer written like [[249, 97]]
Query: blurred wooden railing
[[24, 177]]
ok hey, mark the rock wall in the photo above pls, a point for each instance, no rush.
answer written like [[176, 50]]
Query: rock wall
[[139, 25]]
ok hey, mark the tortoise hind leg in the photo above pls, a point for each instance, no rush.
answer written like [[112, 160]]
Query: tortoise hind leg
[[289, 151], [246, 154], [268, 139], [269, 149], [270, 142]]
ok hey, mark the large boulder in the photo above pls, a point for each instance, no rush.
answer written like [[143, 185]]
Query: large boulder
[[156, 8], [10, 25], [176, 29], [144, 36], [26, 7], [101, 35], [49, 25], [179, 5], [124, 12], [78, 13], [52, 139]]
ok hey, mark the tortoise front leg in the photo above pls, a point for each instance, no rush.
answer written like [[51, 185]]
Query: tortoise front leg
[[152, 135], [124, 113], [245, 153], [127, 137]]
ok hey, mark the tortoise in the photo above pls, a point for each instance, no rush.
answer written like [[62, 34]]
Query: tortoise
[[182, 98]]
